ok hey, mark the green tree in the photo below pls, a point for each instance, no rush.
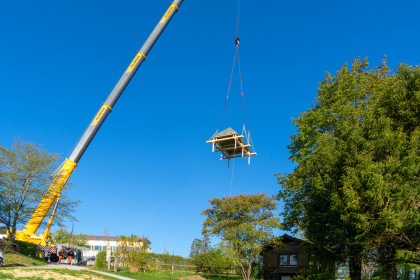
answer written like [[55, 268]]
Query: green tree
[[198, 246], [246, 222], [100, 262], [61, 235], [215, 260], [25, 175], [134, 251], [355, 189]]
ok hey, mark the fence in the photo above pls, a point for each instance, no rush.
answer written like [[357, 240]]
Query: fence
[[117, 262]]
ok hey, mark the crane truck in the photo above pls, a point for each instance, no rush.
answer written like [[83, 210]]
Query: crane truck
[[45, 241]]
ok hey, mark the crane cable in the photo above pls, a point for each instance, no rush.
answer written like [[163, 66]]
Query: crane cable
[[238, 16], [223, 117], [224, 112]]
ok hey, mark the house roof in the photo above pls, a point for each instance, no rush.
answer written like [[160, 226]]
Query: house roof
[[107, 238], [291, 238], [286, 238], [226, 132]]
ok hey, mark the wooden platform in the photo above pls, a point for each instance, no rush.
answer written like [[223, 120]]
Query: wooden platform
[[230, 144]]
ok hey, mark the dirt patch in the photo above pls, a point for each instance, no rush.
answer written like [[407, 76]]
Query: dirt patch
[[50, 274], [194, 277]]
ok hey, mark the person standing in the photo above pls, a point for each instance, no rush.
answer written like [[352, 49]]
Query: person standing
[[60, 255], [65, 255], [69, 255], [74, 257], [79, 256]]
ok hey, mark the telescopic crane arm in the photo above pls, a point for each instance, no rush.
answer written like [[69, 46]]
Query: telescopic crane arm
[[67, 168]]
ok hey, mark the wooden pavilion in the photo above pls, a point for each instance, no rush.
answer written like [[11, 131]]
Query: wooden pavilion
[[230, 145]]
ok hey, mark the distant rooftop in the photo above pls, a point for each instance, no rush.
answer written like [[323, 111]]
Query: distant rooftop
[[107, 238]]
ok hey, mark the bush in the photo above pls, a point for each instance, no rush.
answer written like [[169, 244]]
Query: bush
[[100, 262], [311, 274], [28, 249], [134, 252], [214, 261], [257, 269], [168, 259]]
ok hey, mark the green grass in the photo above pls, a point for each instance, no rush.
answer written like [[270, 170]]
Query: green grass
[[11, 276], [152, 275], [7, 273], [78, 273], [221, 277], [167, 275], [17, 259]]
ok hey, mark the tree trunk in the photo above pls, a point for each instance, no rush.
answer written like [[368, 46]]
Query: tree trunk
[[394, 263], [244, 272], [115, 264], [388, 272], [355, 267], [12, 235]]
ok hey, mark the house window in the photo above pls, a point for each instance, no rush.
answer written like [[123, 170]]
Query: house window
[[283, 260], [104, 248], [293, 260], [98, 238], [97, 248], [112, 239]]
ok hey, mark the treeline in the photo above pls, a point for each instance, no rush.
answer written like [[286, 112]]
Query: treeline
[[158, 259]]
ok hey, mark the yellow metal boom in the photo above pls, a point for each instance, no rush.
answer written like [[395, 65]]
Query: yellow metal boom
[[69, 165]]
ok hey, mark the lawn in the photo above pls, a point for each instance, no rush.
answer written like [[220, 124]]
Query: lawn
[[152, 275], [167, 275], [19, 273], [17, 259]]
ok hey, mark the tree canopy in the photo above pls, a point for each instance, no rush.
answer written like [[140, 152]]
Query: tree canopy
[[198, 246], [62, 235], [25, 175], [245, 222], [354, 191]]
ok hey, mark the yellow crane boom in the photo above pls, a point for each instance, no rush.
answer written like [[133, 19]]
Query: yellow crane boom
[[69, 165]]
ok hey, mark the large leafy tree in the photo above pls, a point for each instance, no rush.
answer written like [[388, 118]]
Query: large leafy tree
[[245, 222], [357, 154], [25, 175], [62, 235], [198, 246]]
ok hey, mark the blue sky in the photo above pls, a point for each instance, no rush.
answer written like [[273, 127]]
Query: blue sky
[[149, 171]]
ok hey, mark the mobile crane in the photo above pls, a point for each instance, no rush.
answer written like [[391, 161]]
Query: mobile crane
[[45, 241]]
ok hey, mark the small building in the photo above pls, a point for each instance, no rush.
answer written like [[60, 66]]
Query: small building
[[281, 263]]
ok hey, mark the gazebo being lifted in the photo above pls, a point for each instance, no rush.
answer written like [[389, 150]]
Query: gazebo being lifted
[[228, 142], [231, 145]]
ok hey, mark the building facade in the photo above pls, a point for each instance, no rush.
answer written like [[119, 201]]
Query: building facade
[[281, 263], [97, 243]]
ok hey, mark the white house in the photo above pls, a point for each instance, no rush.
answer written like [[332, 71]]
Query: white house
[[98, 243]]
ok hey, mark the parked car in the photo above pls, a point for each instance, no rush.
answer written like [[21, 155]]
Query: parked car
[[90, 261], [1, 257]]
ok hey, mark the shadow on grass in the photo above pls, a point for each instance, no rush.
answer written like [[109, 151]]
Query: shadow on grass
[[221, 277]]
